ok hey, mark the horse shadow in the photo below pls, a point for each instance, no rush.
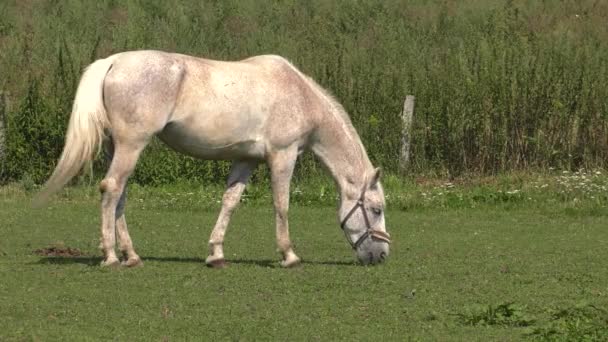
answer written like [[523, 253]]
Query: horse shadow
[[69, 260], [266, 263]]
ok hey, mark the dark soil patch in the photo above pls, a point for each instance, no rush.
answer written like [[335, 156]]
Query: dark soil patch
[[65, 252]]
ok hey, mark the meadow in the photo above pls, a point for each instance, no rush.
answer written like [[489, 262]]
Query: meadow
[[488, 259], [498, 224]]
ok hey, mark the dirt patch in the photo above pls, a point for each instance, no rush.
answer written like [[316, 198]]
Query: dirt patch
[[65, 252]]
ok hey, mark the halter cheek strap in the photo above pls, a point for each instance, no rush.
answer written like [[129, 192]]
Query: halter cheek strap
[[370, 232]]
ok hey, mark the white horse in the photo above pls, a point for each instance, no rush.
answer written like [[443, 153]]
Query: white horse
[[257, 109]]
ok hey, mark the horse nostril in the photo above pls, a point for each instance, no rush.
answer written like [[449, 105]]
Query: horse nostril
[[382, 256]]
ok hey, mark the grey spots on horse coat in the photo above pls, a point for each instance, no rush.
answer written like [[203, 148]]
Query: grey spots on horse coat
[[258, 109], [142, 93]]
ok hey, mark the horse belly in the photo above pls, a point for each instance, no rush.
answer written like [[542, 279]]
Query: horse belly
[[206, 144]]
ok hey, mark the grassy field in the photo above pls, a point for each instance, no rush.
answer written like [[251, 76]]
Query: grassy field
[[506, 271]]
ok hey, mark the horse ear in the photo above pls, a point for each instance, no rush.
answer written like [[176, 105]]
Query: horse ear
[[376, 178]]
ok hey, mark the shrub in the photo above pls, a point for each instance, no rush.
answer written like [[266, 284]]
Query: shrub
[[500, 86]]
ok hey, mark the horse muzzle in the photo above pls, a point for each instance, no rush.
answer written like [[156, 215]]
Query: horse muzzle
[[373, 250]]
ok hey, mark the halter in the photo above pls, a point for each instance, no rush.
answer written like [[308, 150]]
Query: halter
[[370, 232]]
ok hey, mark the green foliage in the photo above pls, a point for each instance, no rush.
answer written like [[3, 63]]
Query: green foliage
[[579, 195], [33, 139], [504, 314], [582, 322], [499, 85]]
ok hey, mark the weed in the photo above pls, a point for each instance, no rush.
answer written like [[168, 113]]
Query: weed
[[504, 314], [583, 322]]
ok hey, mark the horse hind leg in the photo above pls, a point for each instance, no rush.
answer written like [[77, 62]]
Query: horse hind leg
[[112, 188], [130, 257]]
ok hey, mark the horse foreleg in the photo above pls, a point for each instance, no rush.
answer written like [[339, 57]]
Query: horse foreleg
[[281, 165], [238, 178]]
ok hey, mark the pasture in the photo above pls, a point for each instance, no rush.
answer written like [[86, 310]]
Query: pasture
[[508, 92], [485, 271]]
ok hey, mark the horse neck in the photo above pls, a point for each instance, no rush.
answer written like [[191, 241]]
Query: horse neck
[[339, 148]]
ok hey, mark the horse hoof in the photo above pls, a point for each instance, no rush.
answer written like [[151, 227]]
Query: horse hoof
[[132, 263], [113, 263], [291, 263], [217, 263]]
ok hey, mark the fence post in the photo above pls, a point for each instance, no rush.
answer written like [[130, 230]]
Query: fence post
[[406, 136]]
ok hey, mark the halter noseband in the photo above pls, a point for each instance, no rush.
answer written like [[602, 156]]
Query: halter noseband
[[370, 232]]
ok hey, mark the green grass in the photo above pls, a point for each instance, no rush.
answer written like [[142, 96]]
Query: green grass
[[487, 272]]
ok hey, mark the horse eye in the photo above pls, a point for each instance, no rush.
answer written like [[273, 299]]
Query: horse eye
[[377, 211]]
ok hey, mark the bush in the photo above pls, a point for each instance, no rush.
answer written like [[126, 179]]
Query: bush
[[499, 85]]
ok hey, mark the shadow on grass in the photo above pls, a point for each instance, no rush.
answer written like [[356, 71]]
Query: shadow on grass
[[260, 262], [62, 260], [275, 263], [95, 261]]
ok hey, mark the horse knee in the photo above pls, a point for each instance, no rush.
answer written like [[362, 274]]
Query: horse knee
[[109, 186], [232, 196], [230, 200]]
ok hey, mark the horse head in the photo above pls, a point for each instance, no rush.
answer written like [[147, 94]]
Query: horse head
[[362, 220]]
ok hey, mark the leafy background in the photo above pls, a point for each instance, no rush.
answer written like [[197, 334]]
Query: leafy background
[[500, 85]]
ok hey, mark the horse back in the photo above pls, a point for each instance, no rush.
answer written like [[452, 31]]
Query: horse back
[[203, 107]]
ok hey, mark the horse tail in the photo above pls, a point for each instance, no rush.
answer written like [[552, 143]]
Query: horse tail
[[85, 130]]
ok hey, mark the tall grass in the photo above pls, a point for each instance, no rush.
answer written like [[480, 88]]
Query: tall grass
[[500, 85]]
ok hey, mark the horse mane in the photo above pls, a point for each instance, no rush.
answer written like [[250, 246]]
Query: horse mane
[[336, 109], [326, 94]]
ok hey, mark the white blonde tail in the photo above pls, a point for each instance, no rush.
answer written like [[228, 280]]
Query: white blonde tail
[[85, 130]]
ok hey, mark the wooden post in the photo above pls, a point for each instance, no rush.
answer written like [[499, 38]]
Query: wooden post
[[406, 135]]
